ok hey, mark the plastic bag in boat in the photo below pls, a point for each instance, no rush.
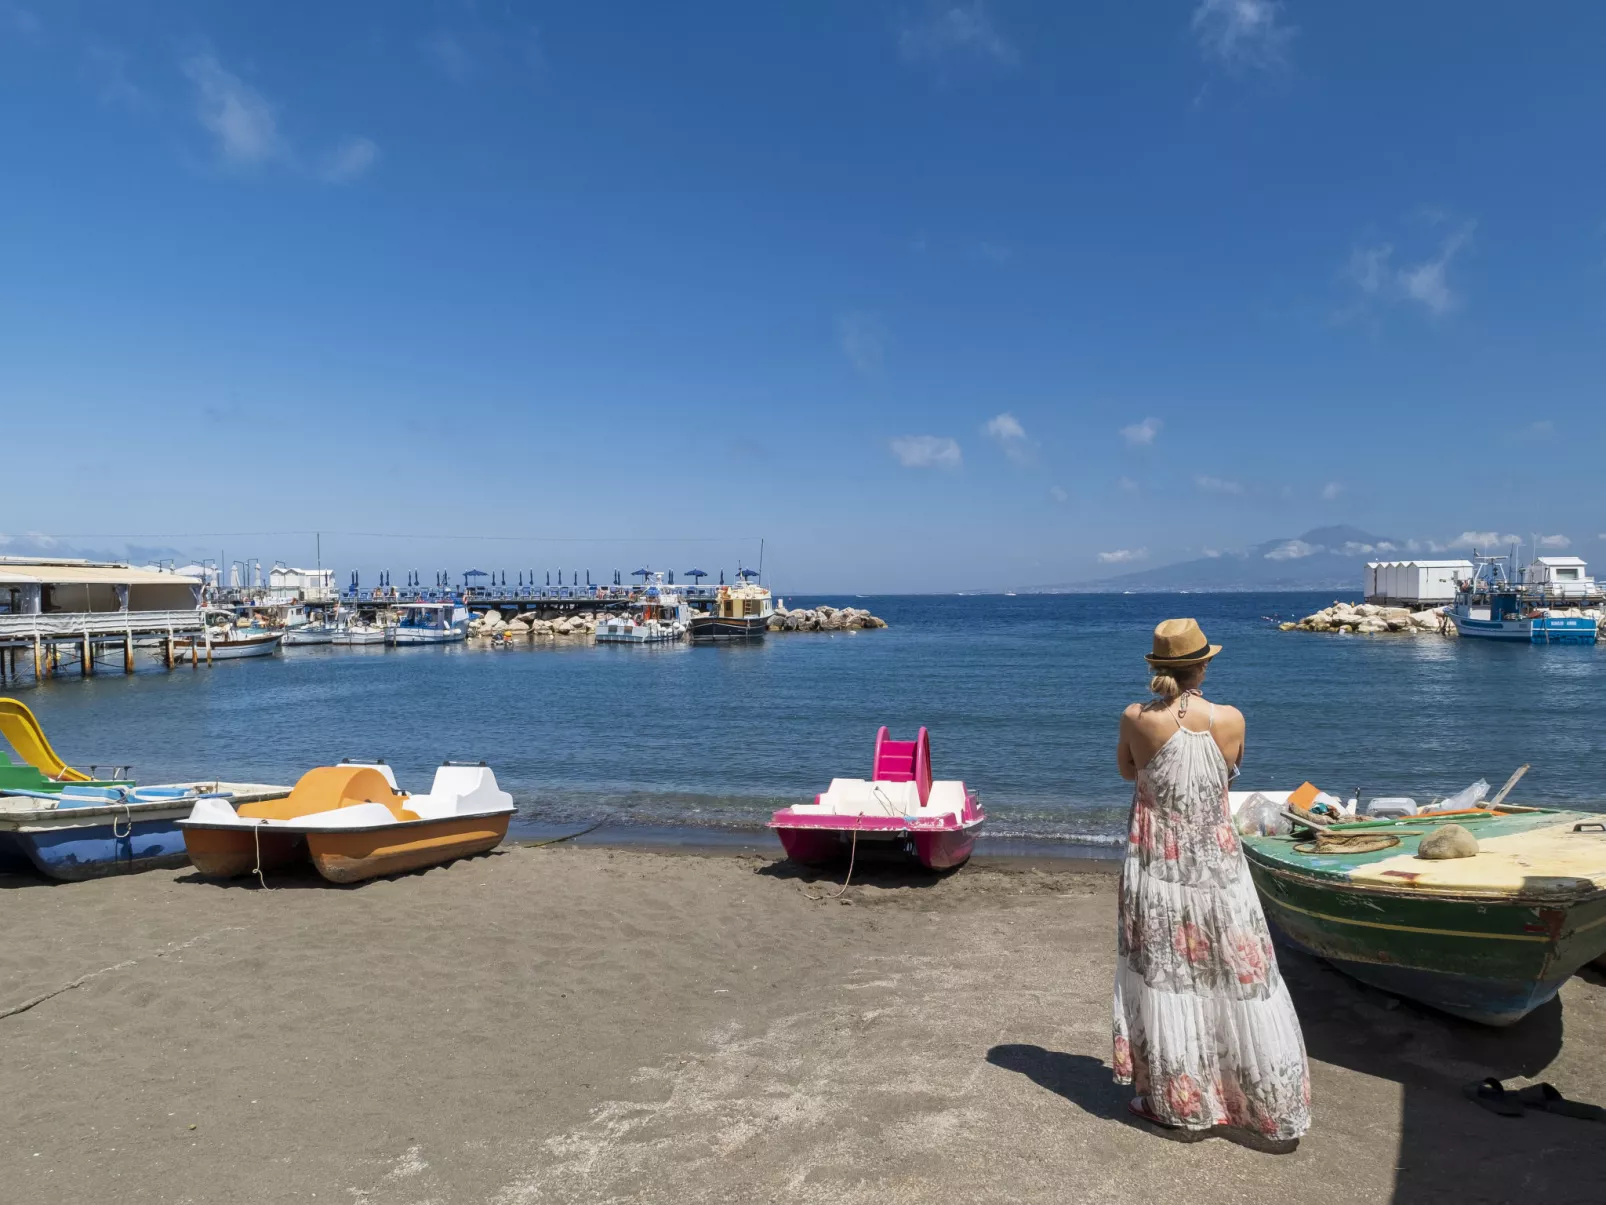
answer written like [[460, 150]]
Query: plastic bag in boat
[[1260, 817], [1467, 797]]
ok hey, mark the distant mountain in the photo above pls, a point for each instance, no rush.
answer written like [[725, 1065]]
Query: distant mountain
[[1325, 558]]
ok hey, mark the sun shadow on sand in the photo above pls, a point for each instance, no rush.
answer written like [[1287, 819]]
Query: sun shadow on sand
[[303, 875], [1450, 1149], [884, 871]]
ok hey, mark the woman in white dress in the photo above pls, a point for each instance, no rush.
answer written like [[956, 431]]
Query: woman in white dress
[[1204, 1029]]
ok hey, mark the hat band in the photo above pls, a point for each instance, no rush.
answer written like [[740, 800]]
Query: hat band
[[1202, 651]]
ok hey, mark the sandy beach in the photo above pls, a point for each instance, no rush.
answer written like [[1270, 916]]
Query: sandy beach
[[592, 1024]]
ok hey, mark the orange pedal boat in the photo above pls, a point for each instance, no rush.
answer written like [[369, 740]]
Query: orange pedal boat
[[353, 823]]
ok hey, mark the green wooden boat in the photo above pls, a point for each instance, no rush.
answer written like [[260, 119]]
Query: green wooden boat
[[1488, 938]]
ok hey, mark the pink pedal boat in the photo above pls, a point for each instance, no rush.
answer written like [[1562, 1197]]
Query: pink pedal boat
[[900, 807]]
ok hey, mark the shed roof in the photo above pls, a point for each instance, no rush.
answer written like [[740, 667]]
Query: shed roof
[[1559, 560], [14, 571]]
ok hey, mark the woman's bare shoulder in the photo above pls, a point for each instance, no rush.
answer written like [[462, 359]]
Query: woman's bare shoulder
[[1226, 713]]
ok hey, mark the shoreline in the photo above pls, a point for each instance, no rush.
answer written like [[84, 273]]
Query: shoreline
[[742, 842]]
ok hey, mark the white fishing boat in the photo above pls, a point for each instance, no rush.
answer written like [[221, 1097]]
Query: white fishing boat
[[360, 632], [317, 632], [659, 616], [231, 643], [430, 623]]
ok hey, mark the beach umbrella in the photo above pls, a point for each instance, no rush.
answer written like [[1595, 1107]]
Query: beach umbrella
[[588, 579], [722, 577], [671, 577], [641, 573], [697, 573], [746, 573], [549, 577]]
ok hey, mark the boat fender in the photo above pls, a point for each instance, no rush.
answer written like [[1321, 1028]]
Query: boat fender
[[1450, 841]]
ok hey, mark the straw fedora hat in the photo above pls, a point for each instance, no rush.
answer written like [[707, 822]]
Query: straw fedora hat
[[1180, 642]]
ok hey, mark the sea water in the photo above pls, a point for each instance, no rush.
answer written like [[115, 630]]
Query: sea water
[[1021, 696]]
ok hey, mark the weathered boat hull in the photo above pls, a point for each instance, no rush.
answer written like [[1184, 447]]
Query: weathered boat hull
[[232, 853], [73, 854], [713, 627], [1487, 960], [351, 857]]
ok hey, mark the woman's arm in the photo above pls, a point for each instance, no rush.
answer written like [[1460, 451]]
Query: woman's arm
[[1124, 760]]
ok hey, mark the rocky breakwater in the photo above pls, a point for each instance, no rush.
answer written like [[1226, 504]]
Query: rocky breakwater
[[1369, 619], [544, 625], [824, 619]]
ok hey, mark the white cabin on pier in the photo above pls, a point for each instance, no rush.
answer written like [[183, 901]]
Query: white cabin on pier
[[1414, 583]]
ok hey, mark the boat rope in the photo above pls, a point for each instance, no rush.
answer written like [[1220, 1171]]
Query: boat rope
[[853, 852], [256, 840], [571, 836], [116, 966]]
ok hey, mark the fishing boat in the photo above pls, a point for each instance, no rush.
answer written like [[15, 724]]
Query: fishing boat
[[899, 809], [1538, 606], [316, 632], [429, 623], [360, 632], [659, 616], [1489, 938], [740, 612], [353, 823], [61, 823], [231, 643]]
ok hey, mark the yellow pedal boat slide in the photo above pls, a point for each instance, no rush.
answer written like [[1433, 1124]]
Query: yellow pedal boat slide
[[353, 823]]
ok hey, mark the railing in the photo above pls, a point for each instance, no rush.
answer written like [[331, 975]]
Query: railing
[[98, 623]]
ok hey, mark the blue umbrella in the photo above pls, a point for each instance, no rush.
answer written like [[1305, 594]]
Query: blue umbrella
[[747, 573], [697, 573], [475, 573], [641, 573]]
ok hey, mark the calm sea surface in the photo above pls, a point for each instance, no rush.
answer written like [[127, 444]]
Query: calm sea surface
[[1021, 696]]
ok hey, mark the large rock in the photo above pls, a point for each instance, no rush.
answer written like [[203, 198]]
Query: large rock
[[1448, 841]]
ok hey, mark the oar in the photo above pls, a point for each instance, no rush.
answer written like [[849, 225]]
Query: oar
[[1506, 790]]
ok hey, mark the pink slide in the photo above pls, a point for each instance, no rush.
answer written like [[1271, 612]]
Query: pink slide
[[904, 761]]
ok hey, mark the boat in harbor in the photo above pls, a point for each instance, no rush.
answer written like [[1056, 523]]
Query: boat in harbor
[[1489, 938], [61, 823], [316, 632], [740, 612], [899, 809], [1546, 603], [659, 616], [357, 631], [429, 623], [353, 823], [231, 643]]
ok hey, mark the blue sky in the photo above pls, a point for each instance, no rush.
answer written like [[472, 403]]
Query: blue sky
[[928, 295]]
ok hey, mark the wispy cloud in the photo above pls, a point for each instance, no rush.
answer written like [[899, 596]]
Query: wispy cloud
[[1293, 550], [1556, 542], [1143, 434], [1426, 283], [1332, 491], [927, 452], [863, 339], [107, 68], [1005, 429], [985, 252], [1058, 494], [1123, 556], [1218, 485], [946, 32], [1482, 539], [448, 54], [1241, 35], [1127, 486], [234, 113], [24, 22], [349, 161]]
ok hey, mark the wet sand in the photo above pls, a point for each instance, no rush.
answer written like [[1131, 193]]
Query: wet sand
[[590, 1024]]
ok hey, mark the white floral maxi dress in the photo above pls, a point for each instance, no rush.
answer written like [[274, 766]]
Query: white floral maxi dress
[[1204, 1028]]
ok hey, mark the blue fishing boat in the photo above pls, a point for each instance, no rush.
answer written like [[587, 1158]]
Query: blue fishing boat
[[1535, 608]]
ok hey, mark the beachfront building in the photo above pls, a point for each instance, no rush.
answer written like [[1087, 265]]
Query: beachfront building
[[78, 608], [1562, 577], [287, 585], [1414, 583]]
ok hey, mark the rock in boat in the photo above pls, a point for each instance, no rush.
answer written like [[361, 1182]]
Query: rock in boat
[[1489, 937], [353, 823], [898, 808], [61, 823]]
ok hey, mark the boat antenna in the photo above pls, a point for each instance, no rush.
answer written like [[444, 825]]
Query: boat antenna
[[760, 558]]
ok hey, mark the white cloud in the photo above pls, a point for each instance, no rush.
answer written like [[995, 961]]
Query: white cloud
[[1557, 542], [1218, 485], [1123, 556], [1331, 491], [1481, 539], [1212, 553], [349, 161], [863, 340], [1011, 436], [1292, 550], [1241, 34], [926, 451], [1372, 271], [1127, 485], [1142, 435], [1058, 494], [235, 113], [953, 31]]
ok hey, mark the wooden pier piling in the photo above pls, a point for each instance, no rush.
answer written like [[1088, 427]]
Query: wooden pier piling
[[86, 662], [128, 652]]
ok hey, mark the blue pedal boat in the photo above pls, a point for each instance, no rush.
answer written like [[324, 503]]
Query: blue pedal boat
[[83, 832]]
